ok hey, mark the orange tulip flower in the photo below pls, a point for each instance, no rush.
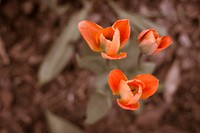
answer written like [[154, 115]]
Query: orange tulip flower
[[151, 43], [108, 40], [130, 91]]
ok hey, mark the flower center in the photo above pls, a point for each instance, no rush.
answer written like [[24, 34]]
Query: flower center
[[109, 38], [134, 89]]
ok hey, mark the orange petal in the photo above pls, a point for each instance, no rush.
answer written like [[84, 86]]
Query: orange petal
[[104, 42], [121, 55], [111, 47], [124, 28], [128, 107], [114, 79], [89, 31], [126, 93], [151, 84], [114, 47], [136, 83], [148, 47], [155, 33], [107, 33], [142, 34], [165, 42], [148, 34]]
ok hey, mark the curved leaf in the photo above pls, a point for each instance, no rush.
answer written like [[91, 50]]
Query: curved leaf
[[97, 108], [60, 125], [61, 51]]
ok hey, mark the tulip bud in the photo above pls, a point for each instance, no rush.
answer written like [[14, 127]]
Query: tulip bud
[[151, 43]]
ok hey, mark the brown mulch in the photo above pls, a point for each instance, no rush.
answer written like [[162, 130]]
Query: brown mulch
[[27, 30]]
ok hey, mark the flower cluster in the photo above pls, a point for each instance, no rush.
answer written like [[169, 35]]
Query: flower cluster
[[109, 41]]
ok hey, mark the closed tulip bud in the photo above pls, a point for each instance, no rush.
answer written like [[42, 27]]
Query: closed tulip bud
[[151, 43]]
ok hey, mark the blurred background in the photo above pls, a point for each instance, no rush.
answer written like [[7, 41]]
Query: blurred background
[[43, 89]]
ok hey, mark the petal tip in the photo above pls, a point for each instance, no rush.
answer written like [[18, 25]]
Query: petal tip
[[114, 78], [121, 55], [128, 107]]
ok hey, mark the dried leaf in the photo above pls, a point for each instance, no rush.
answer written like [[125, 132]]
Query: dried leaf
[[3, 53], [59, 125], [149, 118], [62, 50], [97, 108], [53, 5], [172, 81]]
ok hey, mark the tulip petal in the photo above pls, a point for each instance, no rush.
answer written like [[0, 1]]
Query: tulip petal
[[121, 55], [114, 47], [126, 93], [104, 42], [147, 41], [142, 34], [114, 79], [136, 83], [124, 28], [111, 47], [128, 107], [148, 47], [107, 33], [89, 31], [148, 34], [165, 42], [151, 84]]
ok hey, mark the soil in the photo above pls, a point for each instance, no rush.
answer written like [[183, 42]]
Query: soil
[[27, 30]]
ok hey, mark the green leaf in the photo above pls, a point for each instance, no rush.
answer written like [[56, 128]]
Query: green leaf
[[132, 55], [96, 64], [160, 87], [61, 52], [140, 109], [97, 108], [101, 81], [136, 20], [60, 125], [150, 24], [86, 51], [54, 63], [147, 67]]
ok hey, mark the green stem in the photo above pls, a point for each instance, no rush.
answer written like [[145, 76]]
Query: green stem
[[108, 64], [139, 59]]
